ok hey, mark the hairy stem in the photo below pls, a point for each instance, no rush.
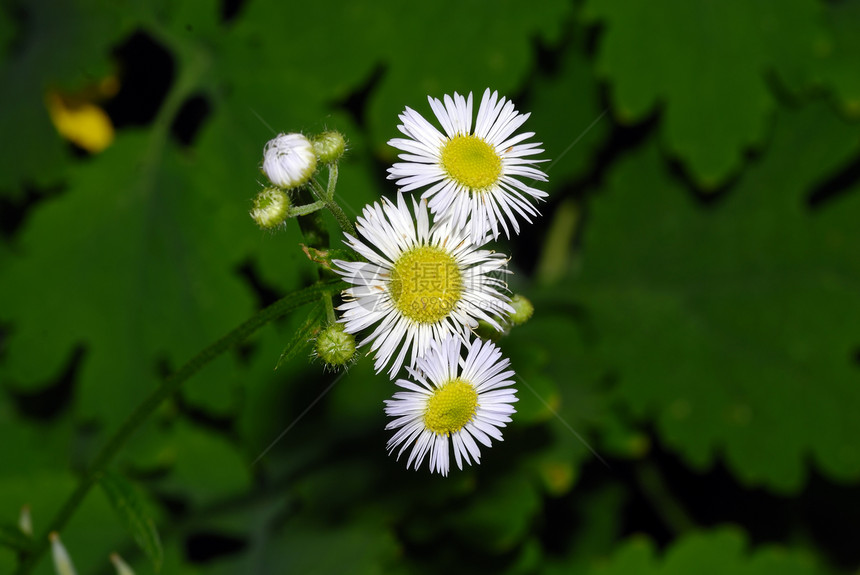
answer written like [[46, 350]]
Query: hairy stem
[[167, 388], [327, 196], [306, 209], [332, 182]]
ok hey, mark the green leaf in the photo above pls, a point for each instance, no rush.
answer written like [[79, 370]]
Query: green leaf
[[837, 65], [713, 552], [204, 466], [726, 323], [558, 379], [302, 336], [64, 45], [706, 67], [501, 59], [537, 392], [140, 280], [129, 505], [500, 514], [567, 114], [308, 544]]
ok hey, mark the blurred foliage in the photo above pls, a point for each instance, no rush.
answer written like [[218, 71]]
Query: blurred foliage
[[695, 279]]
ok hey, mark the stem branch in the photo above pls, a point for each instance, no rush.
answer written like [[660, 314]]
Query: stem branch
[[167, 388], [327, 196], [306, 209]]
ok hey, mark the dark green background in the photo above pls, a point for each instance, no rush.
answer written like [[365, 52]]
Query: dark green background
[[695, 274]]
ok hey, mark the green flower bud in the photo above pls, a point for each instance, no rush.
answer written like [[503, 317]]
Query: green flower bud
[[271, 207], [289, 161], [523, 310], [334, 346], [329, 147], [486, 331]]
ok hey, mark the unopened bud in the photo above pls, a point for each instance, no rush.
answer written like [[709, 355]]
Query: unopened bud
[[486, 330], [121, 567], [329, 147], [334, 346], [62, 561], [289, 160], [523, 310], [271, 207]]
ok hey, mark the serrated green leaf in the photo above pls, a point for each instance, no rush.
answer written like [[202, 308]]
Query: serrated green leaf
[[706, 67], [726, 324], [129, 506], [567, 114], [712, 552], [140, 280], [500, 60]]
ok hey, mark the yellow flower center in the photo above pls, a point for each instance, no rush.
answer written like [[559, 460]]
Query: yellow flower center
[[451, 407], [472, 162], [425, 284]]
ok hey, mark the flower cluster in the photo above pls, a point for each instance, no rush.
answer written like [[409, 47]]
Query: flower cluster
[[422, 282], [427, 278], [289, 163]]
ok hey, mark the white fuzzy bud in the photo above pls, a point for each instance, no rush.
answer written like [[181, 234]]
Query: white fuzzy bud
[[289, 160]]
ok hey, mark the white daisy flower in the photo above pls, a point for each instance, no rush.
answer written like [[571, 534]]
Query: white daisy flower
[[419, 283], [452, 398], [473, 176]]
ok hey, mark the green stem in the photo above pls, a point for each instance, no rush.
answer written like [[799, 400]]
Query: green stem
[[342, 220], [329, 308], [653, 486], [327, 196], [306, 209], [167, 388], [332, 182]]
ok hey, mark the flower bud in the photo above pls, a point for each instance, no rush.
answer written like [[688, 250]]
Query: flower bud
[[334, 346], [271, 207], [329, 147], [289, 160], [523, 310], [486, 331], [62, 561]]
